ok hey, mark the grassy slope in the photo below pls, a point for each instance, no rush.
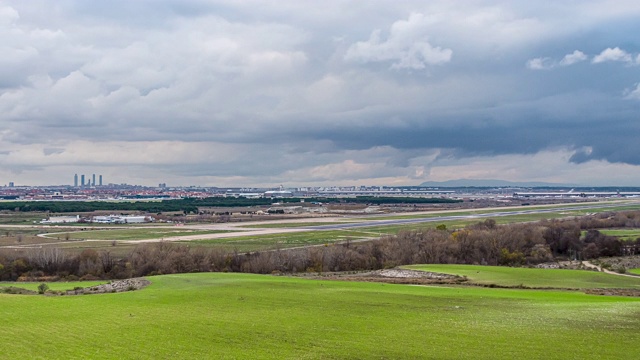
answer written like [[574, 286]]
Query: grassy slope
[[284, 240], [634, 271], [623, 234], [52, 285], [252, 316], [293, 224], [136, 234], [556, 278]]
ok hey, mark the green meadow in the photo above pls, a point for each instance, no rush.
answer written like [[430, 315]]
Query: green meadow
[[293, 224], [622, 234], [284, 240], [58, 286], [531, 277], [241, 316], [135, 233]]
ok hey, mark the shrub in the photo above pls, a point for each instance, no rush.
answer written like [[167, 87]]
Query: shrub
[[42, 288]]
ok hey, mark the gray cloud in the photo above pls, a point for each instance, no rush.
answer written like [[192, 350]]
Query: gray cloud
[[226, 92], [407, 46]]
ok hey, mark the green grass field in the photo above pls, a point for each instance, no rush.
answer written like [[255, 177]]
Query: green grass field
[[237, 316], [135, 234], [293, 224], [634, 271], [622, 234], [285, 240], [52, 285], [554, 278]]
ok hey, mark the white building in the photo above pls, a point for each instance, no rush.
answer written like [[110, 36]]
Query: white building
[[122, 219], [61, 219]]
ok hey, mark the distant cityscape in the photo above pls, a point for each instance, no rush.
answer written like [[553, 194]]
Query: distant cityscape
[[91, 188], [91, 182]]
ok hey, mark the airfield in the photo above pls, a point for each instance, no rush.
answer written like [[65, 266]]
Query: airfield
[[284, 233]]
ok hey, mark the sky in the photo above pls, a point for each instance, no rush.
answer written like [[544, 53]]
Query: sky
[[318, 93]]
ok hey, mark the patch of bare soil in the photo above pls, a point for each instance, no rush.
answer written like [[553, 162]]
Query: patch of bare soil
[[626, 262], [17, 291], [112, 287], [614, 292], [395, 276]]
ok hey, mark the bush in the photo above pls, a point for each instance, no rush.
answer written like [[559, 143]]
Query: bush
[[42, 288], [621, 269]]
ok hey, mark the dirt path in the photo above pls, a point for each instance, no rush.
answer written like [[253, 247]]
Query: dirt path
[[599, 268]]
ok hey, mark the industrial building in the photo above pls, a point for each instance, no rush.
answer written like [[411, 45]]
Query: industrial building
[[121, 219], [61, 219]]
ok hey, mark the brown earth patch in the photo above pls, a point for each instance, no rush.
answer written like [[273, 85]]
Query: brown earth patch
[[17, 291], [112, 287], [614, 292], [393, 276]]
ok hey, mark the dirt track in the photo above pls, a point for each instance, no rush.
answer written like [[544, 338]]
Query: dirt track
[[599, 268]]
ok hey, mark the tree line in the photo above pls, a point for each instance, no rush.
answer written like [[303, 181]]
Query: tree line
[[481, 243], [191, 205]]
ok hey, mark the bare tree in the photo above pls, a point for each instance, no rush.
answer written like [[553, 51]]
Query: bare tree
[[47, 258]]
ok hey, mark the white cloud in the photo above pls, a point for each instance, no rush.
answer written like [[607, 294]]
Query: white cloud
[[612, 54], [407, 46], [545, 63], [8, 15], [633, 94], [573, 58], [548, 166], [540, 63]]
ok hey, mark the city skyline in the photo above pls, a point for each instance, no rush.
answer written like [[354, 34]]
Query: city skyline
[[82, 181], [223, 93]]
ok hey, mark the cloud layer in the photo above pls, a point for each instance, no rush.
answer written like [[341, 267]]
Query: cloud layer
[[248, 93]]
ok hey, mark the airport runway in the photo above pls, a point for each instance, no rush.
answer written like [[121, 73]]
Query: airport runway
[[343, 223], [370, 223]]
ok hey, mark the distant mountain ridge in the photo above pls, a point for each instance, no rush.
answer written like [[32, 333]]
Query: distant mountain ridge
[[491, 183]]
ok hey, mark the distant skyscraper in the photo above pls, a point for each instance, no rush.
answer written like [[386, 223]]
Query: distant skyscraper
[[100, 180], [82, 180], [93, 183], [11, 184], [75, 180]]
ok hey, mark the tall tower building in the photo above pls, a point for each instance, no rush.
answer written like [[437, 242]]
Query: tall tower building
[[93, 183], [100, 180], [82, 180], [75, 180]]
